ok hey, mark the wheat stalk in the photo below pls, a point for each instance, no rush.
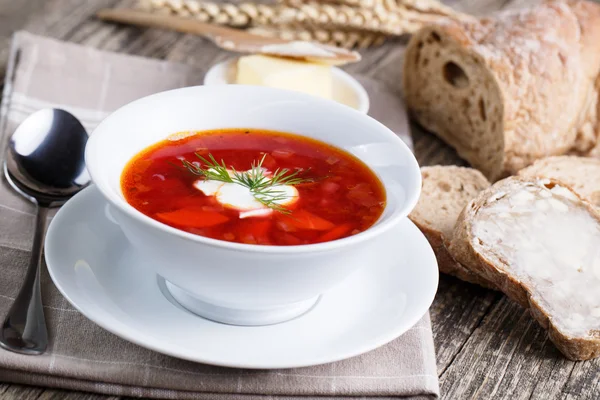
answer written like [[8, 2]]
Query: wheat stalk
[[338, 17], [235, 15], [346, 39], [421, 6], [334, 17]]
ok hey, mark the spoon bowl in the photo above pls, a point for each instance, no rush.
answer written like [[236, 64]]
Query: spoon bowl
[[45, 156], [45, 164]]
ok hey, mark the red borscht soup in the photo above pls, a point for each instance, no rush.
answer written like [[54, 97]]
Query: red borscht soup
[[254, 186]]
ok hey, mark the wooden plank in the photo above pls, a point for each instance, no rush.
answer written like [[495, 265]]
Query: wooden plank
[[509, 356], [458, 310], [50, 394], [584, 381], [61, 19], [19, 392], [13, 15]]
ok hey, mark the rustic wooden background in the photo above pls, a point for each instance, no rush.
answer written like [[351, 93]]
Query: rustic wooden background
[[487, 346]]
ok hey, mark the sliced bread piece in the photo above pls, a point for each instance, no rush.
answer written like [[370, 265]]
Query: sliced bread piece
[[507, 90], [582, 174], [539, 243], [446, 190]]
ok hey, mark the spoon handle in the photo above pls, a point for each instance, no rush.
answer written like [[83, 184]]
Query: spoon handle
[[24, 329]]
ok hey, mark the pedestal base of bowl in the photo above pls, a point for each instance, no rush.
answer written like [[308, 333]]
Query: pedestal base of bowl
[[240, 316]]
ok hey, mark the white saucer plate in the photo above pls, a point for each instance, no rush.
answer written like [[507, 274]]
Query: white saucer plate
[[93, 266]]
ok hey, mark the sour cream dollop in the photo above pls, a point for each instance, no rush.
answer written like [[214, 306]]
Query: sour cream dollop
[[240, 198]]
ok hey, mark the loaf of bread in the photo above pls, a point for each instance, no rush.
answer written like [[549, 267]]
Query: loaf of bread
[[446, 190], [508, 90], [582, 174], [539, 243]]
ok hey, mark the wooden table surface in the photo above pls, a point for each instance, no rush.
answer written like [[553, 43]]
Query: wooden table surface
[[487, 346]]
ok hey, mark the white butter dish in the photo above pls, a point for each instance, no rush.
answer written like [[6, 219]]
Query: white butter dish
[[346, 89]]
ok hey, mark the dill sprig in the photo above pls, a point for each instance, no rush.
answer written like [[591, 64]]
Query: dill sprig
[[214, 172], [263, 188], [271, 198]]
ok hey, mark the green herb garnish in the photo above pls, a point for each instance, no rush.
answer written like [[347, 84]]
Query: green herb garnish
[[262, 187]]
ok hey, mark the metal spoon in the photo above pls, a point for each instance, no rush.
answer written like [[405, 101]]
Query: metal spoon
[[45, 164]]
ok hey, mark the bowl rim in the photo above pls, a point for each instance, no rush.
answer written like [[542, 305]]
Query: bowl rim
[[410, 201], [213, 77]]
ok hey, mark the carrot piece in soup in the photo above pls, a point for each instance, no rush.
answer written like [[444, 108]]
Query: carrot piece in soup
[[255, 230], [301, 219], [289, 239], [192, 218], [256, 226], [336, 233]]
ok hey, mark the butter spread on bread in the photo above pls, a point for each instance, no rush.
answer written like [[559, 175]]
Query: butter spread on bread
[[539, 243]]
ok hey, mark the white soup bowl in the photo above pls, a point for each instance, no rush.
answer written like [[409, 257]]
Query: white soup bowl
[[237, 283]]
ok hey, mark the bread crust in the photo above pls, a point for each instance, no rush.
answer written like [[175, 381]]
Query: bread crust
[[582, 174], [463, 249], [535, 70], [447, 187], [446, 263]]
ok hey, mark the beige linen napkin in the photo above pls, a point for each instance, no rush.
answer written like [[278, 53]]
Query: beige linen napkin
[[82, 356]]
